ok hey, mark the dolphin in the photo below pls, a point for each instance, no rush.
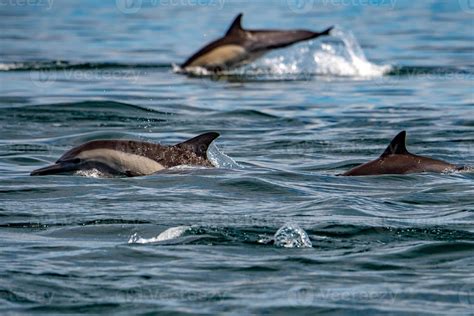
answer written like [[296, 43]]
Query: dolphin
[[397, 160], [131, 158], [239, 46]]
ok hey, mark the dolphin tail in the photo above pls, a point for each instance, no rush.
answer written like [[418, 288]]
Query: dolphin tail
[[199, 144], [57, 168], [280, 39]]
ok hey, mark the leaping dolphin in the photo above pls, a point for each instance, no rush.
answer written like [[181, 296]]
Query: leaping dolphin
[[239, 46], [130, 157], [397, 160]]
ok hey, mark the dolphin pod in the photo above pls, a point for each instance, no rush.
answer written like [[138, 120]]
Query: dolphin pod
[[240, 46], [134, 158]]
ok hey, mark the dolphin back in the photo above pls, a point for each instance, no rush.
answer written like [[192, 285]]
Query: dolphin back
[[131, 158]]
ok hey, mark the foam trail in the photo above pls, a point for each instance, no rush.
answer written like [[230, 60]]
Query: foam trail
[[170, 233]]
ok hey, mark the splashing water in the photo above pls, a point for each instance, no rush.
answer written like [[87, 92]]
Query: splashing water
[[349, 60], [170, 233], [344, 58], [92, 173], [341, 58], [196, 71], [221, 160], [292, 236], [10, 66]]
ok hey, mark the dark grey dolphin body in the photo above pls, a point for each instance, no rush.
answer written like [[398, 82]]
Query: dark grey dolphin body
[[131, 158], [397, 160], [239, 46]]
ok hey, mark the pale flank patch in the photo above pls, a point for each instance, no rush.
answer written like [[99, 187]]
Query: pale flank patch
[[122, 161], [170, 233], [220, 56]]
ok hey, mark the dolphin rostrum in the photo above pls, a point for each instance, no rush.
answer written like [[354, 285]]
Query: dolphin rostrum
[[239, 46], [397, 160], [130, 157]]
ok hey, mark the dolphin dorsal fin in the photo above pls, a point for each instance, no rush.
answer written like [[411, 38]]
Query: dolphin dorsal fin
[[199, 144], [397, 145], [236, 26]]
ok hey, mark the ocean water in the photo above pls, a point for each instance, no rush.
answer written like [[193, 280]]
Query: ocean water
[[272, 229]]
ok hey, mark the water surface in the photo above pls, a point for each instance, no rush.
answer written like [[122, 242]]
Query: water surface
[[201, 241]]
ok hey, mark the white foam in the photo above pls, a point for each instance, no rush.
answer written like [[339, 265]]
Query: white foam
[[91, 173], [10, 66], [186, 167], [465, 169], [292, 236], [170, 233], [220, 160], [351, 61], [196, 71], [344, 58]]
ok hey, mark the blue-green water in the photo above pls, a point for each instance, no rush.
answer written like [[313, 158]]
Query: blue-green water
[[199, 241]]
